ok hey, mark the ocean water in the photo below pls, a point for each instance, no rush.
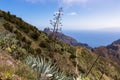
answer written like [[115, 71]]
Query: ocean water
[[94, 38]]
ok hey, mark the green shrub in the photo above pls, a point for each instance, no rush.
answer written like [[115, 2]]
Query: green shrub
[[8, 27], [72, 56], [24, 28], [34, 36], [26, 72], [43, 44], [38, 50]]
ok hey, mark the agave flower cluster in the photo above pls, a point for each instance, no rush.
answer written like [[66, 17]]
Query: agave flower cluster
[[45, 69]]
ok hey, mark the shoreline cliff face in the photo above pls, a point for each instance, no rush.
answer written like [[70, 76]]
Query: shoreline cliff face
[[67, 39]]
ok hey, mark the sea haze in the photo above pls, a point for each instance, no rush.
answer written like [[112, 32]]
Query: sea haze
[[94, 38]]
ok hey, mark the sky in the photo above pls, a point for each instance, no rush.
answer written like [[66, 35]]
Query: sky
[[78, 14]]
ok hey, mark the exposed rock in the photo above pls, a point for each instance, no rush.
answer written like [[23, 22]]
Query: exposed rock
[[8, 61], [116, 42]]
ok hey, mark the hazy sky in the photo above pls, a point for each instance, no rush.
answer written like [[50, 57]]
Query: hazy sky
[[78, 14]]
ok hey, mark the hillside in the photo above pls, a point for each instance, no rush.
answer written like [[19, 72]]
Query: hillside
[[111, 52], [18, 40]]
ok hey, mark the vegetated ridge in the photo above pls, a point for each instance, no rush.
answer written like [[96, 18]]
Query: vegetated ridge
[[111, 52], [18, 40]]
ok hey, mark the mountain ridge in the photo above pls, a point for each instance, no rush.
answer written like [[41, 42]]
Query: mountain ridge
[[20, 40]]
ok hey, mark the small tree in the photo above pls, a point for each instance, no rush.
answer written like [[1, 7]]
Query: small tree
[[56, 22]]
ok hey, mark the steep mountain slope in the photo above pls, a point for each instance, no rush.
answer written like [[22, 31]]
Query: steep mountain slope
[[19, 40]]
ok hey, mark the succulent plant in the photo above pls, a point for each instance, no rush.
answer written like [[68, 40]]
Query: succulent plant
[[46, 70]]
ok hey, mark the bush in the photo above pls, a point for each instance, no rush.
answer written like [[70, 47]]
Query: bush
[[8, 27], [38, 50], [26, 72], [24, 28], [43, 44], [72, 56], [18, 34], [34, 36]]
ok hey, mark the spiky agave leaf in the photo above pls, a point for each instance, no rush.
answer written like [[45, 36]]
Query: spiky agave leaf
[[44, 68]]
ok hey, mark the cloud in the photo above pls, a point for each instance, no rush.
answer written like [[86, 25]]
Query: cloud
[[73, 1], [59, 1], [72, 14]]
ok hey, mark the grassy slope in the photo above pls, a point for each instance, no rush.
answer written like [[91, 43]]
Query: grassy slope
[[11, 69], [30, 41]]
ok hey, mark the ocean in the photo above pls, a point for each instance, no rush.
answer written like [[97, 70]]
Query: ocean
[[94, 38]]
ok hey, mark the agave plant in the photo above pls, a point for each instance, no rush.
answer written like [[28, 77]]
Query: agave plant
[[45, 69]]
